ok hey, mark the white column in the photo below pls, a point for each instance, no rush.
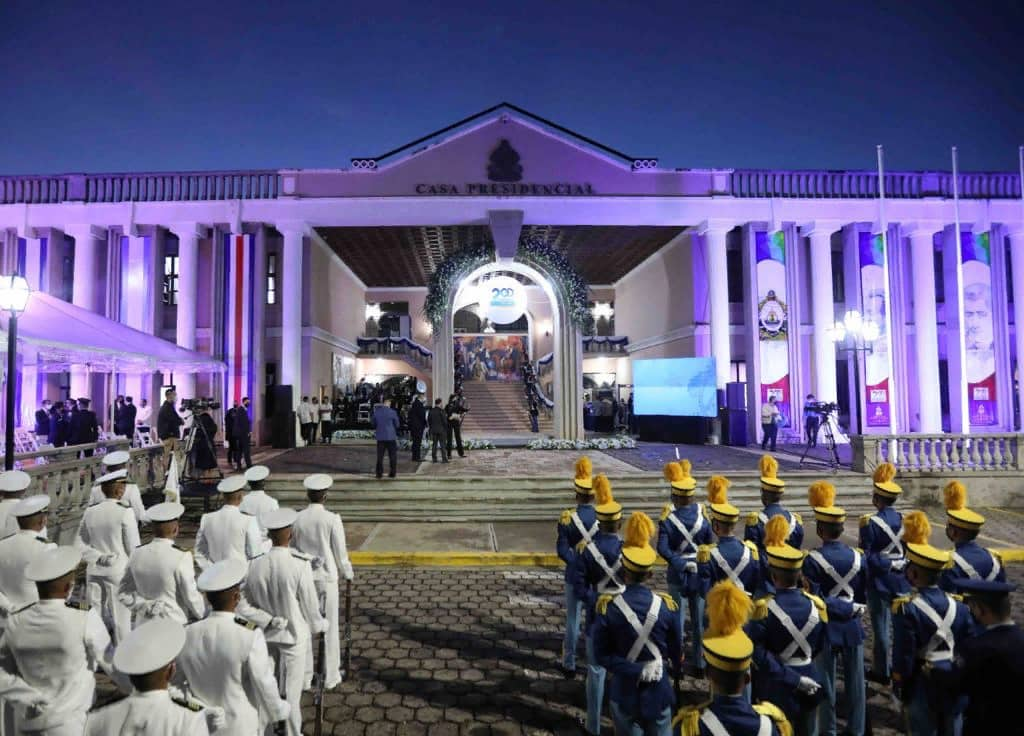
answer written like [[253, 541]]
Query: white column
[[926, 336], [291, 306], [715, 265], [83, 290], [35, 270], [822, 308], [188, 296], [1017, 266]]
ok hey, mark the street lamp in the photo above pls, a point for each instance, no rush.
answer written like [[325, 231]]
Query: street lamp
[[14, 294], [860, 333]]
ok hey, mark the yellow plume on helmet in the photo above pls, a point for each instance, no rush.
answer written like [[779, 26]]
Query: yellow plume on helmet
[[728, 609], [955, 495], [916, 528], [718, 485], [686, 466], [639, 530], [884, 473], [768, 466], [583, 468], [776, 531], [673, 473], [821, 494], [602, 490]]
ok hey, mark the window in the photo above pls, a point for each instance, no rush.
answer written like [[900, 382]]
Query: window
[[271, 278], [838, 277], [67, 279], [940, 281], [170, 280], [734, 275]]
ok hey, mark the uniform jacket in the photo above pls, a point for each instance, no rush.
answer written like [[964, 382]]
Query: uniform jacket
[[569, 534], [971, 560], [913, 634], [153, 713], [282, 585], [224, 533], [255, 504], [880, 551], [132, 498], [160, 570], [589, 574], [320, 533], [737, 716], [614, 636], [226, 663], [8, 524], [732, 551], [674, 547], [844, 628], [756, 520], [108, 528], [16, 551]]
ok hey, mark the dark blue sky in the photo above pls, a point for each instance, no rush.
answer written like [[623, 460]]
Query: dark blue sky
[[130, 87]]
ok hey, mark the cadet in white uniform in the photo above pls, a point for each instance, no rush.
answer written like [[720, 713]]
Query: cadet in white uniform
[[227, 532], [50, 649], [160, 579], [107, 536], [147, 657], [320, 533], [132, 497], [17, 550], [225, 660], [256, 501], [281, 583], [13, 484]]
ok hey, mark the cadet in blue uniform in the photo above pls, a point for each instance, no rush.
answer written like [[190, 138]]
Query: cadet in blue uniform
[[598, 571], [728, 652], [575, 526], [682, 529], [772, 488], [880, 539], [636, 638], [728, 558], [929, 625], [989, 667], [836, 572], [788, 631], [970, 559]]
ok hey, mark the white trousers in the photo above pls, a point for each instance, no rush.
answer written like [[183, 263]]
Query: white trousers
[[101, 594], [328, 592], [290, 665]]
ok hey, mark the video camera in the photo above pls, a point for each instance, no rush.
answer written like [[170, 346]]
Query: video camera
[[824, 407], [199, 404]]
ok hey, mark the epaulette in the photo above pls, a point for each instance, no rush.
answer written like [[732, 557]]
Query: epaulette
[[865, 519], [78, 605], [704, 552], [301, 555], [665, 511], [761, 608], [753, 548], [96, 708], [777, 716], [192, 705], [39, 539], [602, 603], [819, 604], [995, 555], [581, 546], [898, 603], [958, 597], [180, 549], [24, 608], [245, 622], [669, 601], [687, 720], [800, 521], [565, 518], [753, 519]]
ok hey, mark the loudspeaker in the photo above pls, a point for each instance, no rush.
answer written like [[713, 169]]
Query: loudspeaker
[[282, 418]]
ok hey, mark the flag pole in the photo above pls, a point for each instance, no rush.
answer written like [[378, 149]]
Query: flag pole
[[965, 420], [883, 224], [1020, 162]]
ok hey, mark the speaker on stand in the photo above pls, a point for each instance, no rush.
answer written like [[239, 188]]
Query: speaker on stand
[[282, 416]]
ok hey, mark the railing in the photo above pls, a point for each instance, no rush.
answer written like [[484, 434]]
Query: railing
[[402, 346], [605, 344], [864, 184], [938, 453], [144, 187]]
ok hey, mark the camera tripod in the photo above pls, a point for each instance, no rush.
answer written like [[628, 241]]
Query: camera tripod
[[197, 433], [830, 443]]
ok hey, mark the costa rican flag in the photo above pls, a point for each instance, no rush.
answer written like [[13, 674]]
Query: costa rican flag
[[238, 305]]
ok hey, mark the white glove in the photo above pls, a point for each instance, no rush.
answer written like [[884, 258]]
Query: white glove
[[652, 671], [277, 624], [105, 560], [859, 608], [36, 708], [320, 626], [807, 686], [898, 565], [316, 563], [215, 718], [690, 567], [282, 710]]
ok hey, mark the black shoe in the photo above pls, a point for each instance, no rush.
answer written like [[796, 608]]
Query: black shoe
[[462, 454], [568, 674], [444, 461]]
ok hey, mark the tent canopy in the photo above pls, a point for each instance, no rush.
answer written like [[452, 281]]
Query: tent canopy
[[60, 335]]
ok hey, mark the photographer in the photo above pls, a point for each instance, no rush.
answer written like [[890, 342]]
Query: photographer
[[812, 420]]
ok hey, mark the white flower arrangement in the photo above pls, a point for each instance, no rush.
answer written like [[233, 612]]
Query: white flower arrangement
[[353, 434], [599, 443]]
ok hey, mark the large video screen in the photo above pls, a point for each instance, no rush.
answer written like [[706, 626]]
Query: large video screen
[[676, 387]]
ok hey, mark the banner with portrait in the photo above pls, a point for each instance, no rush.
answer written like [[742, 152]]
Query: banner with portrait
[[875, 300], [773, 321], [979, 329], [492, 357]]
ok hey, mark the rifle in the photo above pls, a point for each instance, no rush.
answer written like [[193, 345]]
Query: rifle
[[318, 687], [346, 664]]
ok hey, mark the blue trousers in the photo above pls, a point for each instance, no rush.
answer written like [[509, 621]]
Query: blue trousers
[[924, 720], [595, 689], [573, 608], [880, 609], [853, 679], [627, 725], [696, 605]]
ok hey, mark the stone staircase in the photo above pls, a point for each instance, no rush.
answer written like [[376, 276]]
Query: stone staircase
[[497, 408]]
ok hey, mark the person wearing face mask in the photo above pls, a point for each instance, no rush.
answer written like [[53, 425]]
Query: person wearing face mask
[[241, 431]]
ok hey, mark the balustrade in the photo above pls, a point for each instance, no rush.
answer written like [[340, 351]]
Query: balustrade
[[939, 453], [400, 346]]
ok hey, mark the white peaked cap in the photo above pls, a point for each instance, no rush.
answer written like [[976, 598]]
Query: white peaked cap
[[116, 458], [232, 484], [167, 511], [14, 481], [318, 482], [116, 475], [257, 473], [30, 505], [279, 519], [149, 647], [222, 575], [52, 564]]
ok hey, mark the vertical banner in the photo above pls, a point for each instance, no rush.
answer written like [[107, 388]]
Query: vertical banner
[[875, 300], [773, 320], [238, 305], [979, 328]]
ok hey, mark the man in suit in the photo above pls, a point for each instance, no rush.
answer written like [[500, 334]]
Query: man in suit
[[241, 427], [43, 421], [84, 427], [130, 412], [417, 422], [437, 423], [385, 426]]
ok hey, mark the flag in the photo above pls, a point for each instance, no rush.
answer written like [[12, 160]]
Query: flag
[[238, 297]]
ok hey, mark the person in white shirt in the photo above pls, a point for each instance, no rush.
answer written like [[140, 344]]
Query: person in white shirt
[[160, 579], [107, 536], [147, 658], [281, 583], [13, 484], [17, 550], [304, 413], [257, 501], [49, 650], [132, 497], [321, 534], [225, 660], [227, 532], [143, 415]]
